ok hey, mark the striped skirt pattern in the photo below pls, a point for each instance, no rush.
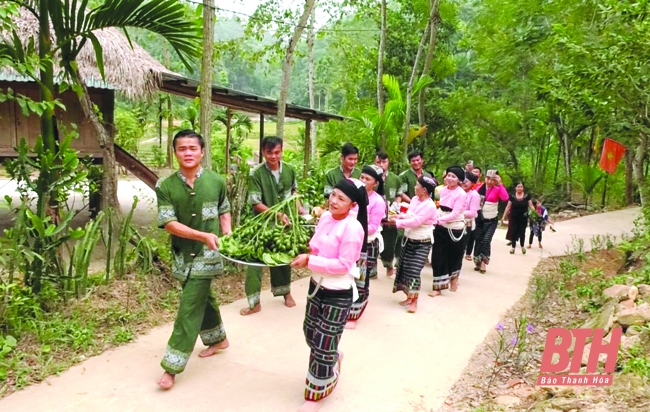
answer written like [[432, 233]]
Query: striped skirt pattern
[[410, 264], [325, 317], [363, 286], [483, 235], [447, 256]]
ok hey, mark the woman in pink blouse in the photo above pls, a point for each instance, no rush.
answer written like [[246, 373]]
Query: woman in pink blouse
[[418, 224], [491, 192], [335, 248], [449, 236], [472, 206], [371, 176]]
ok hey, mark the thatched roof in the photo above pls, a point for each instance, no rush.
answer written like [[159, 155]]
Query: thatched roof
[[131, 71]]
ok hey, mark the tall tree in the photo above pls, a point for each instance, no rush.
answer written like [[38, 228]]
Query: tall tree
[[433, 36], [205, 120], [287, 64], [411, 84], [310, 58], [380, 71]]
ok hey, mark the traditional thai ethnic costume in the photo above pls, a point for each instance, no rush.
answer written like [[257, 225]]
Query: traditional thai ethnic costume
[[472, 206], [490, 197], [335, 250], [269, 187], [392, 189], [376, 211], [194, 264], [418, 225], [408, 180], [450, 234]]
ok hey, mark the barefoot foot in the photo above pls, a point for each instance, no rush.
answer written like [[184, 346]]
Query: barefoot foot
[[529, 246], [351, 324], [453, 285], [214, 349], [249, 311], [434, 293], [166, 381], [413, 307], [390, 272], [405, 302], [288, 301], [310, 406]]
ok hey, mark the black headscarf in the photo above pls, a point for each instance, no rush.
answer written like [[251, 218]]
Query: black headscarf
[[471, 177], [376, 173], [428, 183], [356, 191], [458, 171]]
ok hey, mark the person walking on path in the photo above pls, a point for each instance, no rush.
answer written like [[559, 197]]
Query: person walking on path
[[193, 208], [491, 192], [538, 221], [338, 242], [472, 206], [347, 169], [371, 176], [270, 183], [449, 235], [409, 178], [392, 194], [418, 223], [518, 209]]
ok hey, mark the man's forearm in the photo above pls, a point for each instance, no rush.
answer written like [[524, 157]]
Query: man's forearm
[[184, 231], [225, 222]]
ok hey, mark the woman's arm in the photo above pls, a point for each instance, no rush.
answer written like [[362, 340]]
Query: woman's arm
[[473, 206], [507, 211]]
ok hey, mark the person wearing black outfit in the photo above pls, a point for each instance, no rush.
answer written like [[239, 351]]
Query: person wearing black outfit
[[518, 209]]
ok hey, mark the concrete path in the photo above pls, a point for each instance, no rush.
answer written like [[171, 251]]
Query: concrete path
[[394, 361]]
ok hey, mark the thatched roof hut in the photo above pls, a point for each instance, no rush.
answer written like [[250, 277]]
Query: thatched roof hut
[[131, 71]]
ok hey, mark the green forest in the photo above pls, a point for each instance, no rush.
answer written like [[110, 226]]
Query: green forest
[[532, 91]]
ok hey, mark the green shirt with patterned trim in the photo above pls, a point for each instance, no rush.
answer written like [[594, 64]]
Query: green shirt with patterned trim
[[334, 175], [264, 187], [409, 179], [392, 187], [198, 208]]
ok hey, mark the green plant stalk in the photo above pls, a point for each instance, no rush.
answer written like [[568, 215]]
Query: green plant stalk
[[123, 239]]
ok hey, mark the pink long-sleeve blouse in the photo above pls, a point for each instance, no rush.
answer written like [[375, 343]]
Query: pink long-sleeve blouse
[[420, 213], [455, 200], [336, 245], [495, 193], [472, 204], [376, 212]]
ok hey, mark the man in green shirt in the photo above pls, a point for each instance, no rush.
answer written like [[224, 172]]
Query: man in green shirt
[[409, 179], [270, 183], [349, 157], [193, 208], [392, 193]]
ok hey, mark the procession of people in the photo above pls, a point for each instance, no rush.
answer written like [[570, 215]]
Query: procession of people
[[371, 214]]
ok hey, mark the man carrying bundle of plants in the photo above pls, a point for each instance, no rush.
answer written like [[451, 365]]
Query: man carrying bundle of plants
[[193, 208], [270, 183]]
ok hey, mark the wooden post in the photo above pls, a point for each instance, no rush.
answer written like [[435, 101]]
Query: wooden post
[[307, 146], [228, 136], [261, 134]]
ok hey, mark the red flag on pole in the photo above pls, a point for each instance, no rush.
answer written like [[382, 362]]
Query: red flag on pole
[[612, 154]]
